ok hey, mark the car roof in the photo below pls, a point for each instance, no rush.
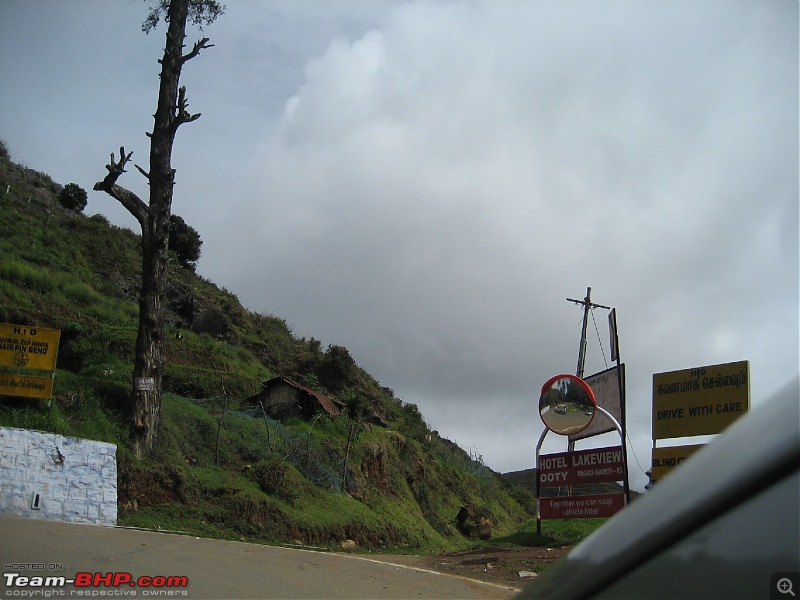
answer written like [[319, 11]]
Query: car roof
[[755, 451]]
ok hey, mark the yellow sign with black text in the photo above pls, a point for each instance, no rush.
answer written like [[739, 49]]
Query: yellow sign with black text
[[666, 459], [28, 347], [26, 386], [700, 401]]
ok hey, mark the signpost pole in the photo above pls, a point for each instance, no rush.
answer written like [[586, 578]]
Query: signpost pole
[[615, 355], [539, 485], [587, 302], [621, 380], [587, 305]]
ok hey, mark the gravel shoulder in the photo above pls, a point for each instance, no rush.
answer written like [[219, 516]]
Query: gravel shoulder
[[512, 567]]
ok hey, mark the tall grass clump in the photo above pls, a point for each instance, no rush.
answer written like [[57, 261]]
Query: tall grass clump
[[81, 293], [25, 275]]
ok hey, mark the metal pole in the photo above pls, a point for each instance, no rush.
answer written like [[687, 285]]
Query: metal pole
[[623, 399], [620, 429], [538, 484], [582, 350], [615, 355]]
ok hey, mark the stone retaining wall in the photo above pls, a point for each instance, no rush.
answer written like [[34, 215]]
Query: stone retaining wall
[[59, 478]]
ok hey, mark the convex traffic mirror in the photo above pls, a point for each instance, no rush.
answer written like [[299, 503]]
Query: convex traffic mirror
[[567, 404]]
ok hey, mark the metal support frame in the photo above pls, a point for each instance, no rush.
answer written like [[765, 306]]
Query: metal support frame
[[617, 426]]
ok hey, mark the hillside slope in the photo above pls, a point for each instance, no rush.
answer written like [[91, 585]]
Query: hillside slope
[[376, 474]]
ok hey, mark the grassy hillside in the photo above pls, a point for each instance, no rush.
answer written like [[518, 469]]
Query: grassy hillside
[[221, 467]]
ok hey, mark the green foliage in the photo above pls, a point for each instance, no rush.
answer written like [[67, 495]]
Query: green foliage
[[564, 532], [185, 242], [4, 154], [43, 180], [100, 219], [26, 275], [277, 478], [82, 294], [73, 197], [12, 295], [412, 421], [337, 369], [201, 13], [359, 407], [78, 409], [25, 414], [94, 349]]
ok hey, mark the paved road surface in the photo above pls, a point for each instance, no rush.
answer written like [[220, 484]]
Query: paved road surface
[[213, 568]]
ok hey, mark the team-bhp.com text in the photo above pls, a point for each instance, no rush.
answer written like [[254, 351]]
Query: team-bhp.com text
[[95, 585]]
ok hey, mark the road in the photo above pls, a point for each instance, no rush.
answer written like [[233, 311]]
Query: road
[[212, 568]]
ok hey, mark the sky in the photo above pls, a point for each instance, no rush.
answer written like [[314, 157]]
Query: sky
[[426, 183]]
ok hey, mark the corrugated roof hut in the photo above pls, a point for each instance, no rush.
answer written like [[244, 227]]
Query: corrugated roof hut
[[283, 398]]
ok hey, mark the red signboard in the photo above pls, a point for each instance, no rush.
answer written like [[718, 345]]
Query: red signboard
[[581, 507], [582, 466]]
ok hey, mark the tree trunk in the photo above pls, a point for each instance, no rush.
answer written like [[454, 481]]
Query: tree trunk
[[154, 219], [150, 343], [148, 366]]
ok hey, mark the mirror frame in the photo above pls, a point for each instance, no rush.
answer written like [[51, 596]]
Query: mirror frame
[[583, 386]]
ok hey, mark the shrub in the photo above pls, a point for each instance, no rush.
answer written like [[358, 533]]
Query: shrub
[[337, 369], [275, 478], [184, 241], [98, 218], [44, 180], [73, 197]]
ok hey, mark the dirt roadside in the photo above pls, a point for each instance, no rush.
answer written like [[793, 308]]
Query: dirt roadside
[[512, 567]]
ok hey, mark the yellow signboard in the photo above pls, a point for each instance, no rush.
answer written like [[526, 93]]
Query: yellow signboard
[[666, 459], [700, 401], [28, 347], [25, 386]]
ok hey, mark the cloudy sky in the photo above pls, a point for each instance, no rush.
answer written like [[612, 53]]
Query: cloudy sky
[[426, 183]]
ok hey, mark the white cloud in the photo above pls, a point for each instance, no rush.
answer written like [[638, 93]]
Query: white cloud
[[438, 185], [426, 182]]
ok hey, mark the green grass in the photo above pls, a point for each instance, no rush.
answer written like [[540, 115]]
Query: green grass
[[23, 274], [77, 410], [215, 471], [556, 532]]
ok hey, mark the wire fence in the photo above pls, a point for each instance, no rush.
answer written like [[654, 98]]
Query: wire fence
[[321, 467]]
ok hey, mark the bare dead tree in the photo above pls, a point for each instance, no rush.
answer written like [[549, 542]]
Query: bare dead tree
[[154, 217]]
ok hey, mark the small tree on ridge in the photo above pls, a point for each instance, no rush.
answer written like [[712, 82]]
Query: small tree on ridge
[[73, 197]]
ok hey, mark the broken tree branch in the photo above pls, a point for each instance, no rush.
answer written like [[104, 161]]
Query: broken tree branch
[[199, 45], [142, 171], [114, 168], [127, 198], [183, 115]]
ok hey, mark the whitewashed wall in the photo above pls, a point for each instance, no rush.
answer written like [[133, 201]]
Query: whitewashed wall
[[79, 486]]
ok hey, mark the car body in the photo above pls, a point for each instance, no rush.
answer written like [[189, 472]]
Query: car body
[[725, 524]]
